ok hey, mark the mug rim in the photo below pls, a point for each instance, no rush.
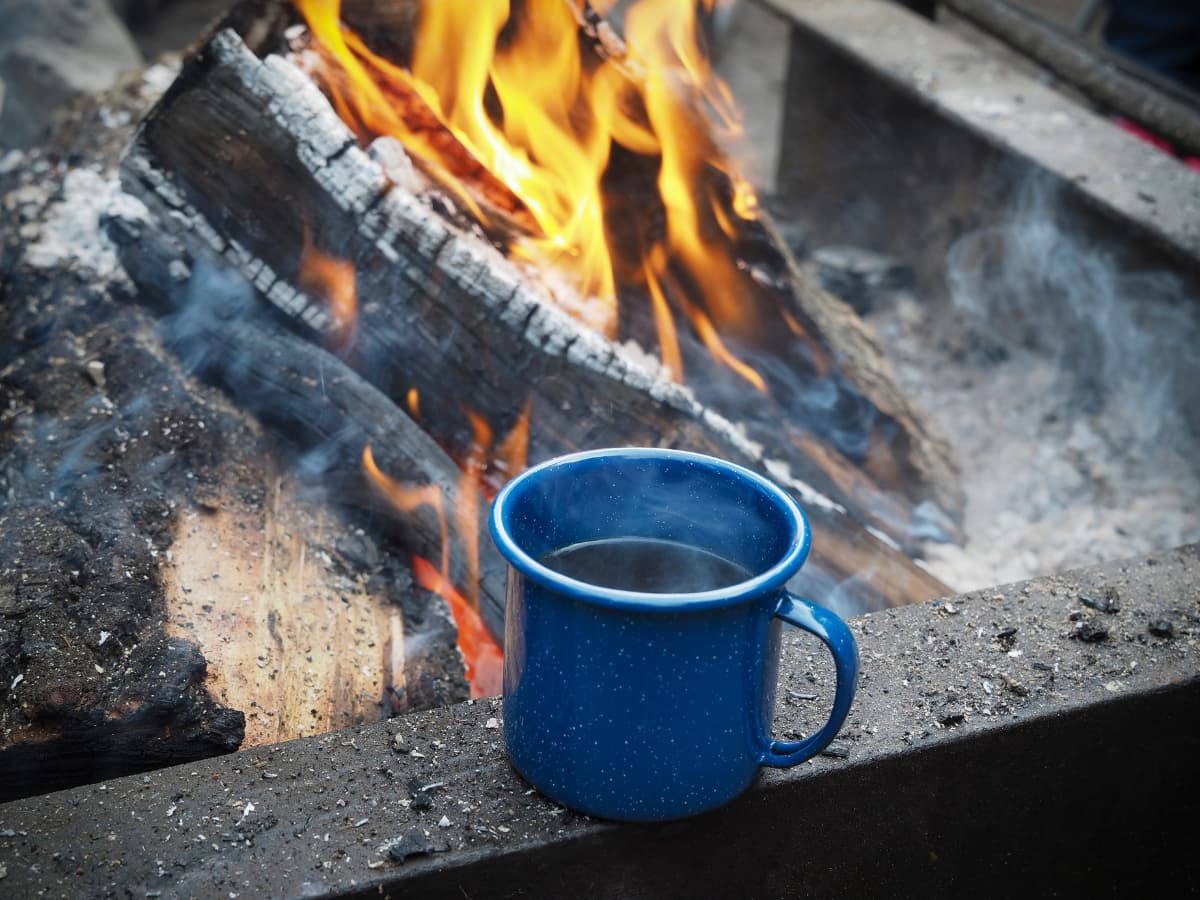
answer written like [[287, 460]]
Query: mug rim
[[766, 582]]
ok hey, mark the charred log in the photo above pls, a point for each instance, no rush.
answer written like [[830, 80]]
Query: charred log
[[828, 381], [145, 521]]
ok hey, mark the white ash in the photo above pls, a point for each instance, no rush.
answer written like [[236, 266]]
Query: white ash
[[390, 155], [13, 159], [73, 231], [643, 358], [1049, 487], [94, 369], [157, 78], [113, 119], [293, 100], [809, 496], [297, 37], [558, 285]]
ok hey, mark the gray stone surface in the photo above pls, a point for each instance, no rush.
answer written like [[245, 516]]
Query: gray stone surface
[[1057, 269], [939, 126], [51, 52], [1029, 737]]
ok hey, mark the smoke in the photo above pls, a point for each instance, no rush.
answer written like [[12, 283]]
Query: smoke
[[220, 332], [826, 405], [213, 297], [1063, 370], [1123, 341], [844, 596]]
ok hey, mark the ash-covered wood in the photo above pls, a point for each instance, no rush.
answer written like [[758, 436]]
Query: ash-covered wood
[[146, 523], [243, 153]]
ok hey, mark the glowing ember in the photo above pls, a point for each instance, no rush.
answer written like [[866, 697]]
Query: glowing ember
[[505, 105], [332, 279], [482, 656]]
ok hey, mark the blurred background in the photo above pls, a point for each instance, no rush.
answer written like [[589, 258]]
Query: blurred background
[[54, 51]]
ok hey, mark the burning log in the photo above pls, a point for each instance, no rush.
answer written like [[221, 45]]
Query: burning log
[[304, 623], [440, 310], [318, 402]]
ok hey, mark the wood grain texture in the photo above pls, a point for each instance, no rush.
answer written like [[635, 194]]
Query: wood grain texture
[[298, 646]]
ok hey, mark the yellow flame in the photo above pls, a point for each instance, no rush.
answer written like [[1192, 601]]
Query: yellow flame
[[717, 348], [501, 98]]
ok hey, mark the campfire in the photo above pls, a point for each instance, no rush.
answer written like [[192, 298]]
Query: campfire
[[285, 312], [600, 166], [426, 245]]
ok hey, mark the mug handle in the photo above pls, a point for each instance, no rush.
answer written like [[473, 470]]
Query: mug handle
[[837, 637]]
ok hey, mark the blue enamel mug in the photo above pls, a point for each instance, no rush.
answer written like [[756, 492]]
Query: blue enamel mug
[[652, 704]]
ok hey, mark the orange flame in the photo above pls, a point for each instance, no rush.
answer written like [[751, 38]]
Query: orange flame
[[712, 340], [331, 279], [512, 455], [501, 101], [466, 511], [408, 498], [482, 656], [664, 322]]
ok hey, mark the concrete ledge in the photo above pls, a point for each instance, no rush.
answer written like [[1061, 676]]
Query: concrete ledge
[[1037, 737], [882, 103]]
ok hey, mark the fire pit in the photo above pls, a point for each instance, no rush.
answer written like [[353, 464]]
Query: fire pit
[[273, 438]]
